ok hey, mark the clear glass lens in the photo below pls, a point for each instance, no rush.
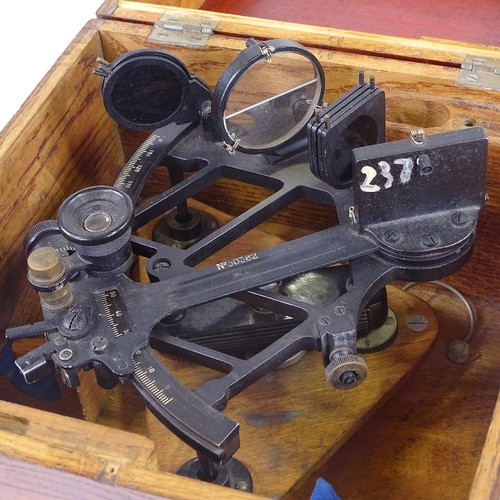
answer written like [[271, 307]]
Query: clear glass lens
[[272, 101]]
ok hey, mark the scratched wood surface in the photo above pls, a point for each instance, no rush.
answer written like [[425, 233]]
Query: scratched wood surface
[[62, 140], [44, 455]]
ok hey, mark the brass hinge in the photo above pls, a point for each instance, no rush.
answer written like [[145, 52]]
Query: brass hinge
[[182, 31], [482, 72]]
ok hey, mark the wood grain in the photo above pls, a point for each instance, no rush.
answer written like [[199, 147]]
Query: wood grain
[[85, 460], [46, 483], [486, 484], [444, 51], [426, 441]]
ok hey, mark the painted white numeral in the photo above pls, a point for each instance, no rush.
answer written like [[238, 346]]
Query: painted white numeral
[[407, 164], [370, 174], [385, 171]]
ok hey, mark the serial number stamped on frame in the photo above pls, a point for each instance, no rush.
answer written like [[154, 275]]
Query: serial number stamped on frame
[[236, 261]]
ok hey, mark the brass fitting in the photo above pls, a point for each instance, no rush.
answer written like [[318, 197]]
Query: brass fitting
[[46, 269]]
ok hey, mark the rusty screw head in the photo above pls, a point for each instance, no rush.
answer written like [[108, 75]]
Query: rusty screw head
[[458, 351]]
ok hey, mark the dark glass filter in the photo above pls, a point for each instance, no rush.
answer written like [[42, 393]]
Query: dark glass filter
[[147, 94], [363, 131]]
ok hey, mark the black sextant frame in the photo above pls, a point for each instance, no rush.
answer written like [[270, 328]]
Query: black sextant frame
[[111, 319], [403, 210]]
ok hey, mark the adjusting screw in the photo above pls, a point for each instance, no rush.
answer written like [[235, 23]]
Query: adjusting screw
[[346, 371]]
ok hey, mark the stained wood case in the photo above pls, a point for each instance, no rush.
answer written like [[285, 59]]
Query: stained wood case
[[427, 439]]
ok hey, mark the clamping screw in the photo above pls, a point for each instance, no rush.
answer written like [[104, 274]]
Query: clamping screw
[[346, 371], [46, 268]]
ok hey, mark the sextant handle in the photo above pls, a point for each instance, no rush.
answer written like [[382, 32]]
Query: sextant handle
[[185, 414]]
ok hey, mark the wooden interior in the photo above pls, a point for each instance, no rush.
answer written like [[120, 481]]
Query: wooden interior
[[427, 439]]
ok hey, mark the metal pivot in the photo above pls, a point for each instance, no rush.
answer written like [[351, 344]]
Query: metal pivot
[[183, 226], [233, 474]]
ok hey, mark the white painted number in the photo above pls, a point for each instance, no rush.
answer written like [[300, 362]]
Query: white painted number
[[407, 164], [371, 174], [237, 261], [385, 171]]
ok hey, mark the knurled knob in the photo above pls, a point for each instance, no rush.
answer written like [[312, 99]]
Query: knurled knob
[[346, 372]]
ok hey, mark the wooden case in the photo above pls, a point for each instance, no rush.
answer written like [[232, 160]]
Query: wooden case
[[426, 441]]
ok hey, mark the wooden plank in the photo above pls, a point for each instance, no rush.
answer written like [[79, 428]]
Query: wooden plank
[[61, 140], [449, 53], [486, 485], [74, 452], [22, 479], [71, 445]]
